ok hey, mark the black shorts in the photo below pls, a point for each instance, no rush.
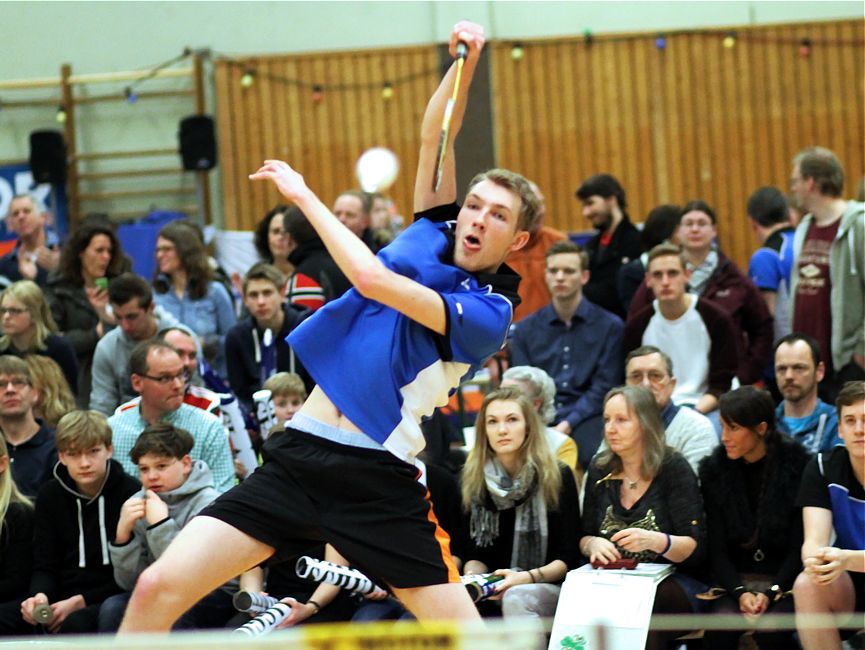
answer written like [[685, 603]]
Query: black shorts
[[367, 503], [858, 589], [855, 620]]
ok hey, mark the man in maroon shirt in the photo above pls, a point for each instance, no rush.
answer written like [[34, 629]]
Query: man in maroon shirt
[[828, 279]]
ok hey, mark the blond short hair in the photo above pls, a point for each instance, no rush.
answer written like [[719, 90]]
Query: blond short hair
[[286, 384], [81, 430]]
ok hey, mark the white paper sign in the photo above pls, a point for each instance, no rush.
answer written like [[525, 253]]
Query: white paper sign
[[620, 600]]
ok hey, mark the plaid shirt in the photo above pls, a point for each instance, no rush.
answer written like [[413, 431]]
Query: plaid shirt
[[211, 442]]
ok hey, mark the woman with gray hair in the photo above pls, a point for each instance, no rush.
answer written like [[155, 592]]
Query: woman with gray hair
[[540, 388]]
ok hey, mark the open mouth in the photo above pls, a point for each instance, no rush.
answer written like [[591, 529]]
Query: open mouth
[[472, 241]]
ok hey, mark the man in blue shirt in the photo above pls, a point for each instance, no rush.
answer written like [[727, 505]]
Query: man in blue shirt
[[832, 496], [802, 415], [422, 314], [577, 343], [771, 264]]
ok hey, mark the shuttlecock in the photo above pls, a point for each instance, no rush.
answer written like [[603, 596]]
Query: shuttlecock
[[377, 169]]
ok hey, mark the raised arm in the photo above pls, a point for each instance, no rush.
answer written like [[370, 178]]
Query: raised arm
[[424, 197], [363, 269]]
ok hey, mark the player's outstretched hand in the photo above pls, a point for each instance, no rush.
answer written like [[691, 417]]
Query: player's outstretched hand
[[471, 34], [289, 183]]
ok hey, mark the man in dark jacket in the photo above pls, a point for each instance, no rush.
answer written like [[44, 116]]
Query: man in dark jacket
[[617, 241], [314, 268], [252, 354], [36, 252], [75, 516], [30, 443]]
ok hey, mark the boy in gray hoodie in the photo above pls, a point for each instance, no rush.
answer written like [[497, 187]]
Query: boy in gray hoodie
[[174, 489]]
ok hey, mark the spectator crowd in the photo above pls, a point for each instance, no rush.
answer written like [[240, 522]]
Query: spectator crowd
[[657, 403]]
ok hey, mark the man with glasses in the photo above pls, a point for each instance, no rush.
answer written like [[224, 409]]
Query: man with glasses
[[688, 432], [159, 377], [137, 320], [801, 414], [185, 342], [32, 454]]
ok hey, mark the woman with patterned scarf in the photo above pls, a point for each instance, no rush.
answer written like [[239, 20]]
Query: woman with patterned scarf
[[523, 509], [642, 501]]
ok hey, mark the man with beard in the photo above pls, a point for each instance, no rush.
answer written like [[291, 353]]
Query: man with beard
[[826, 286], [617, 241], [802, 415]]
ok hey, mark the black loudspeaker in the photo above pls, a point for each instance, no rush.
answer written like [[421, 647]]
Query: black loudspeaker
[[48, 157], [197, 143]]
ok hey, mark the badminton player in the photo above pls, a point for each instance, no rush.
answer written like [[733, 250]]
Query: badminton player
[[424, 313]]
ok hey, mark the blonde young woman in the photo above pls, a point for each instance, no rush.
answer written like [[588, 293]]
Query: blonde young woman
[[55, 396], [524, 514], [16, 546], [29, 328]]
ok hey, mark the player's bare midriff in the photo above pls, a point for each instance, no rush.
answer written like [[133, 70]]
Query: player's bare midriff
[[319, 407]]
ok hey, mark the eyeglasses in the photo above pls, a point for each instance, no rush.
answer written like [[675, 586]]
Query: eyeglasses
[[183, 376], [17, 382], [12, 311], [655, 377]]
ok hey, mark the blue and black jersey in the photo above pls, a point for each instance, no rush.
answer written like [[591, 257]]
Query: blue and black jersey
[[385, 371], [829, 482]]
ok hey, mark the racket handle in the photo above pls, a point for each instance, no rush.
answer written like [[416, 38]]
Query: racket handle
[[462, 50]]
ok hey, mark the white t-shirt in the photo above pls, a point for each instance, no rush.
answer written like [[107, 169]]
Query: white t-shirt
[[686, 341]]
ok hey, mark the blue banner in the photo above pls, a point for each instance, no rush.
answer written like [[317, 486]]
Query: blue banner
[[17, 179]]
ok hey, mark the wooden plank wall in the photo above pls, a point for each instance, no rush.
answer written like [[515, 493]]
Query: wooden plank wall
[[694, 120], [277, 117]]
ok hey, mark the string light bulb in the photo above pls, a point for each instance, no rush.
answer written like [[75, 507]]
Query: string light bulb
[[517, 52], [317, 94], [61, 114], [248, 78], [661, 42], [387, 91], [730, 40], [130, 95], [588, 36], [805, 48]]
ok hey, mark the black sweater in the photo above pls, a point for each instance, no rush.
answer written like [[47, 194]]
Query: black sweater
[[742, 498], [243, 345], [32, 461], [61, 352], [605, 262], [673, 497], [71, 558], [16, 552]]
